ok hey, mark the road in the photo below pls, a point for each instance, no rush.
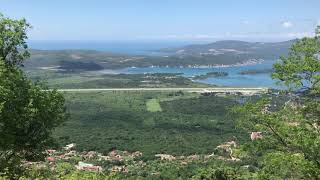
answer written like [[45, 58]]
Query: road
[[210, 89]]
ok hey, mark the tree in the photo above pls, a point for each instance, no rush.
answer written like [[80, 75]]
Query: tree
[[28, 113], [287, 134], [13, 46], [290, 143], [300, 70]]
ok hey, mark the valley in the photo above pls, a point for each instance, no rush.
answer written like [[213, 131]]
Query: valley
[[178, 123], [157, 90]]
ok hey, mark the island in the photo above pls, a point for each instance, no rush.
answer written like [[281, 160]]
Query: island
[[210, 75], [256, 71]]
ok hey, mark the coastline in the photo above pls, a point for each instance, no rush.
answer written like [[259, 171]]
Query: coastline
[[245, 63]]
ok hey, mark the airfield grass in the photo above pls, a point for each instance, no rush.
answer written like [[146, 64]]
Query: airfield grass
[[153, 105], [188, 123]]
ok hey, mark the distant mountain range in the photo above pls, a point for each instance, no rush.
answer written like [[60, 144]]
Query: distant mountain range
[[201, 55], [236, 48]]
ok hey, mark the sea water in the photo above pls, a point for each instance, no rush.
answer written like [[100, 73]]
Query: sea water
[[234, 78]]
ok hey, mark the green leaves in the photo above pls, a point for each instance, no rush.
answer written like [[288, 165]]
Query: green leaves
[[290, 146], [290, 136], [279, 165], [13, 46], [300, 70], [28, 114]]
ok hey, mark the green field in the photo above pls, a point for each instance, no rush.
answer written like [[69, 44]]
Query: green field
[[187, 124], [153, 105], [85, 79]]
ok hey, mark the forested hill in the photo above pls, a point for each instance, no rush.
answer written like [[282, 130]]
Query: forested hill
[[236, 48]]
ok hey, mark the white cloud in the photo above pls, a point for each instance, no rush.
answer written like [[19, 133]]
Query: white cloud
[[287, 24]]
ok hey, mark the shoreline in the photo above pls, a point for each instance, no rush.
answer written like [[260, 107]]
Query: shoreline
[[245, 63]]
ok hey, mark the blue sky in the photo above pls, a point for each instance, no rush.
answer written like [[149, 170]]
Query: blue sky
[[166, 20]]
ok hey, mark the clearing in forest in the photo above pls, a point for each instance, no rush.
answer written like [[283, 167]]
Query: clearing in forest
[[153, 105]]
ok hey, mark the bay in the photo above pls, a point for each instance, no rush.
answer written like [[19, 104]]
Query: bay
[[234, 78]]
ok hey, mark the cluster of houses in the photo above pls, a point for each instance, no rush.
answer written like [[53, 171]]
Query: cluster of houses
[[69, 152], [221, 152]]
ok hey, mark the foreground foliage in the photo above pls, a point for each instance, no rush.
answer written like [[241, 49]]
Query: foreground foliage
[[27, 113], [288, 144]]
